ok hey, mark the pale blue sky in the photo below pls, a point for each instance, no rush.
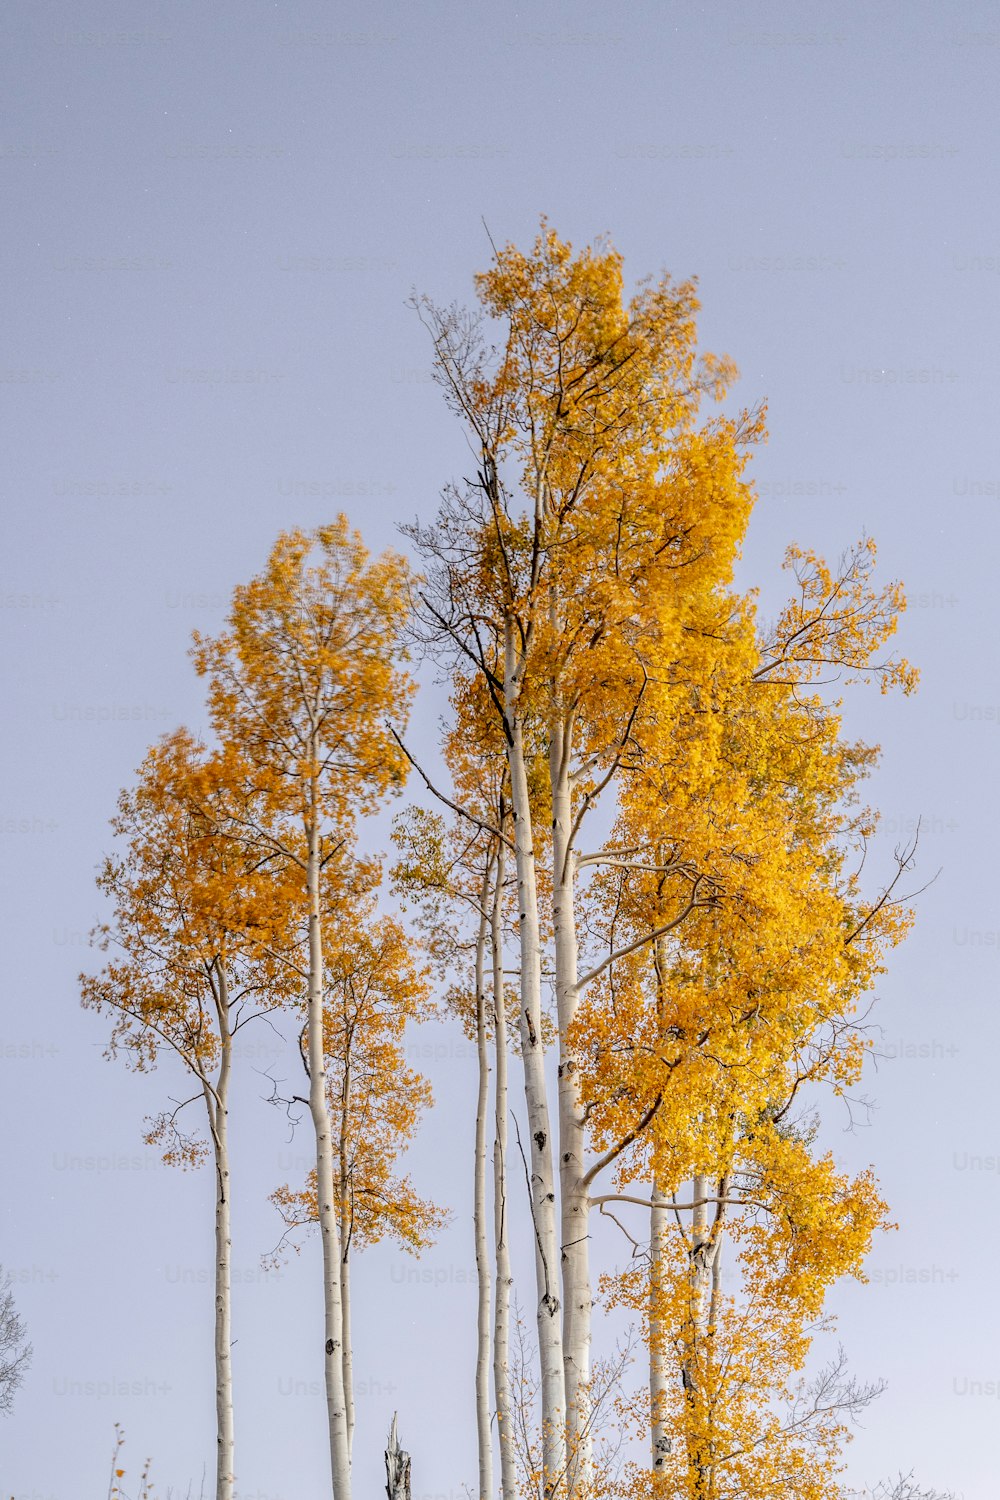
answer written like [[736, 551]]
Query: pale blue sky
[[214, 214]]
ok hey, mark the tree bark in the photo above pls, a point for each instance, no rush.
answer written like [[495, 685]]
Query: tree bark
[[504, 1275], [397, 1467], [483, 1272], [348, 1359], [702, 1256], [542, 1184], [225, 1433], [574, 1193], [326, 1197], [217, 1106], [346, 1227], [658, 1376], [658, 1244]]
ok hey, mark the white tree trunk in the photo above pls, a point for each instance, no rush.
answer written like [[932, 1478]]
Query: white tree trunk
[[326, 1196], [659, 1229], [700, 1273], [483, 1273], [225, 1433], [217, 1105], [346, 1228], [658, 1333], [504, 1275], [574, 1194], [348, 1359], [542, 1184]]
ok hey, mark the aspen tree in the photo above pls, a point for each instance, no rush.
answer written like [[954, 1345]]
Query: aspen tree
[[454, 872], [374, 990], [595, 496], [301, 681], [188, 971], [585, 576], [752, 1001]]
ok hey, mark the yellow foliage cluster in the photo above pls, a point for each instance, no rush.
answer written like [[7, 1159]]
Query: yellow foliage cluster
[[712, 946], [210, 926], [585, 584]]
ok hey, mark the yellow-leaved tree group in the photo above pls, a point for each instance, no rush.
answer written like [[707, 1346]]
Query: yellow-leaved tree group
[[635, 882]]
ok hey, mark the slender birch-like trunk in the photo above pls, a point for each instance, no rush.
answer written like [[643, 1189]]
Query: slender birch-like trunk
[[348, 1359], [700, 1282], [542, 1187], [483, 1272], [346, 1228], [326, 1196], [658, 1376], [658, 1247], [705, 1276], [504, 1275], [574, 1192], [217, 1100]]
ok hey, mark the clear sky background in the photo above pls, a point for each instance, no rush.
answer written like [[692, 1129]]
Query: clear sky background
[[213, 215]]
